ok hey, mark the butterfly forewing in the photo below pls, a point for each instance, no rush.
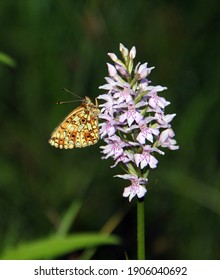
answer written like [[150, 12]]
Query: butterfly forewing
[[79, 129]]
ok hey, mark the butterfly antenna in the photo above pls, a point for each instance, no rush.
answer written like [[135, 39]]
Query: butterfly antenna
[[72, 93], [63, 102]]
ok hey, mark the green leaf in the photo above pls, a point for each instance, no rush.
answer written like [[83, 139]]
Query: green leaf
[[6, 59], [69, 218], [54, 247]]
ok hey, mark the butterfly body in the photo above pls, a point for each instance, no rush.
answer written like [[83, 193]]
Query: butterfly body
[[79, 129]]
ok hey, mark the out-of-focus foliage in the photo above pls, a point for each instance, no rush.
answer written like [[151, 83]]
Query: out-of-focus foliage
[[53, 247], [60, 44], [5, 59]]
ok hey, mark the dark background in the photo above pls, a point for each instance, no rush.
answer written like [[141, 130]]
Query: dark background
[[56, 44]]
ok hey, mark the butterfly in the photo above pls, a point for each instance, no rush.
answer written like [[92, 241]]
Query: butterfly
[[79, 129]]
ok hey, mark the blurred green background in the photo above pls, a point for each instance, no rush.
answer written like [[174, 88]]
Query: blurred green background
[[50, 196]]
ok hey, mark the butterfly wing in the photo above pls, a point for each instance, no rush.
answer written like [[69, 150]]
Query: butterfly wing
[[79, 129]]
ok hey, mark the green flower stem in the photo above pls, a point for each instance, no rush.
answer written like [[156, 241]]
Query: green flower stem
[[140, 230]]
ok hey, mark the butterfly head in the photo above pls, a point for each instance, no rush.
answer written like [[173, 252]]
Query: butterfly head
[[93, 108]]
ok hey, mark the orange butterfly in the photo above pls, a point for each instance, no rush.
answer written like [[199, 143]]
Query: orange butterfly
[[79, 129]]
